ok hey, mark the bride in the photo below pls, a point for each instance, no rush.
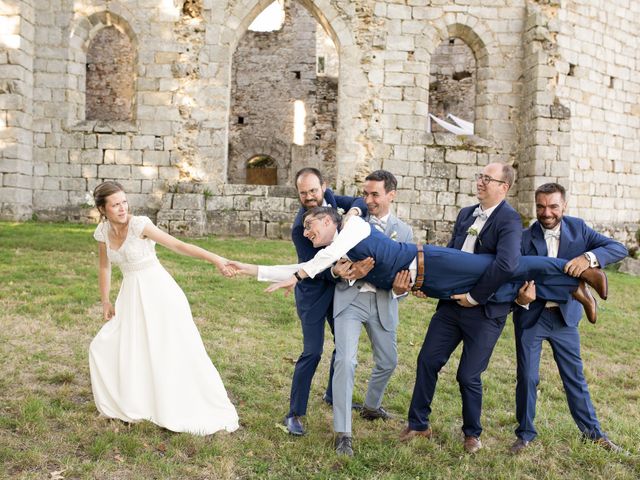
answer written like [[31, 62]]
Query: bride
[[148, 361]]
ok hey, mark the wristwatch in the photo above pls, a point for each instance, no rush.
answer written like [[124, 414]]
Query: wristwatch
[[297, 275]]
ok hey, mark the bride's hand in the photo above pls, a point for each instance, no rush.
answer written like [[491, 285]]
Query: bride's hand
[[243, 268], [286, 284], [108, 311], [225, 268]]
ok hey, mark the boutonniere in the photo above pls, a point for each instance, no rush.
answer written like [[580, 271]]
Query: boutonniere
[[340, 210], [473, 231], [394, 236]]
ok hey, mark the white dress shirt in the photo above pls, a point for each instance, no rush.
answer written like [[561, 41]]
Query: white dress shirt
[[469, 244], [355, 230]]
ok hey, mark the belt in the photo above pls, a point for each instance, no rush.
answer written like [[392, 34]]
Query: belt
[[554, 309], [420, 272]]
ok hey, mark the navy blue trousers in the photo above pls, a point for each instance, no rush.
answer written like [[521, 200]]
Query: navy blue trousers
[[450, 325], [313, 344], [565, 343]]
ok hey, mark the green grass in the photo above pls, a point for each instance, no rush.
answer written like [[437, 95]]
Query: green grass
[[49, 312]]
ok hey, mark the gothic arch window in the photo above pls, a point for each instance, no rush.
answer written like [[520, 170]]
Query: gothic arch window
[[262, 170], [452, 86], [110, 76], [279, 104]]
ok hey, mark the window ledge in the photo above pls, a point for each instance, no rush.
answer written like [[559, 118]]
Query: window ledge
[[470, 142], [104, 126]]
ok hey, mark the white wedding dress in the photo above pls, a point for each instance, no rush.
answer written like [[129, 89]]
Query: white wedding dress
[[148, 362]]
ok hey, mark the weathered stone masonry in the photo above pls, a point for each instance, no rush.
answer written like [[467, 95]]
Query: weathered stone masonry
[[557, 93]]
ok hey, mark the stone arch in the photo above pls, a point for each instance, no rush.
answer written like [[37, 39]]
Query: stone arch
[[352, 79], [254, 146], [243, 14], [82, 31], [486, 49]]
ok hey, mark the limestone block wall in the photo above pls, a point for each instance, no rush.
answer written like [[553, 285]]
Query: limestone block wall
[[270, 71], [598, 79], [556, 94], [17, 44]]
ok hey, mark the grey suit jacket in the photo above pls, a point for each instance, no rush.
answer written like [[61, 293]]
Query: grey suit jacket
[[387, 305]]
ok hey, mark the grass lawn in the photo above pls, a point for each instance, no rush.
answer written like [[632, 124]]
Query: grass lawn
[[50, 429]]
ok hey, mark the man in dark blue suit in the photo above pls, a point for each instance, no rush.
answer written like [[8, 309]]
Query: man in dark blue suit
[[493, 227], [556, 235], [314, 298]]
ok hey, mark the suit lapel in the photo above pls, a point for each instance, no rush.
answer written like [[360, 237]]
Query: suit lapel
[[537, 238], [486, 226], [566, 240], [391, 227], [329, 198]]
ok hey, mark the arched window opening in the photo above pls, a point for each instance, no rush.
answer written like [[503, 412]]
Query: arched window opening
[[110, 76], [262, 170], [270, 19], [452, 88], [284, 95]]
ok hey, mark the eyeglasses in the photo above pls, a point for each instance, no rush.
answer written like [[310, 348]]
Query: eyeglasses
[[307, 224], [486, 179]]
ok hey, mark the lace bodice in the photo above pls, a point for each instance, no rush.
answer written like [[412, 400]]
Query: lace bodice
[[134, 249]]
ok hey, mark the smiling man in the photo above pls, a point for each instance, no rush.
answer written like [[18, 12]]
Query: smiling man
[[557, 235], [490, 227], [313, 298], [362, 304]]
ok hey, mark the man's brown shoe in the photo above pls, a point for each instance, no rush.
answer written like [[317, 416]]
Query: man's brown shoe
[[596, 279], [472, 444], [518, 446], [583, 295], [607, 444], [408, 434]]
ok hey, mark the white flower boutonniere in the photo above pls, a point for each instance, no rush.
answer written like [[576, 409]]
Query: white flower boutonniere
[[340, 210], [394, 236], [472, 231]]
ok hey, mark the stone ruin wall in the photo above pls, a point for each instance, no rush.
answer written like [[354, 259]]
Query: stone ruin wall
[[543, 101], [270, 71]]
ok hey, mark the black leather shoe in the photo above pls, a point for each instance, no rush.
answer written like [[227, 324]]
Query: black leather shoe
[[518, 446], [327, 400], [374, 413], [294, 425], [343, 445]]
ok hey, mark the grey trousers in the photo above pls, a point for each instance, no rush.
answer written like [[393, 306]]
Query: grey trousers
[[347, 325]]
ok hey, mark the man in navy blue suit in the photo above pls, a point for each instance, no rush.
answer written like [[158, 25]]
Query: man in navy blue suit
[[493, 227], [314, 298], [556, 235]]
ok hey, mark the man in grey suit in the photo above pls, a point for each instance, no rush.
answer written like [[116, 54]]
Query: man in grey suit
[[360, 303]]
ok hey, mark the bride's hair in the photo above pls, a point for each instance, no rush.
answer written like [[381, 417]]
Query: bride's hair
[[102, 191]]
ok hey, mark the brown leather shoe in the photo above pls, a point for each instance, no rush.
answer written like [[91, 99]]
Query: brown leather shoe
[[583, 295], [408, 434], [518, 446], [472, 444], [596, 279], [607, 444]]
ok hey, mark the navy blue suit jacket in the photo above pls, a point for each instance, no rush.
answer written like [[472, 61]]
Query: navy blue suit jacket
[[314, 297], [576, 238], [501, 236]]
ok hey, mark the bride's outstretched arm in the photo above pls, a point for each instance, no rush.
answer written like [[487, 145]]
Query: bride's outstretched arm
[[184, 248], [104, 282]]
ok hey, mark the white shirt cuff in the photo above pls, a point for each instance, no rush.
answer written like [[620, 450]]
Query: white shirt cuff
[[471, 300], [593, 261]]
